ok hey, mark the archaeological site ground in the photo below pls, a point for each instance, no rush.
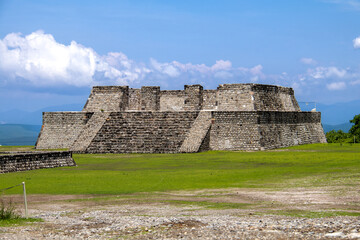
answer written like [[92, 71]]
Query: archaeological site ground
[[302, 192]]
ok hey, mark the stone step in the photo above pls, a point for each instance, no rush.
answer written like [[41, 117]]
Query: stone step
[[197, 133], [143, 132], [89, 131]]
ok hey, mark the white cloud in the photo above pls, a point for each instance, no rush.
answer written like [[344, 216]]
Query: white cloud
[[41, 60], [356, 82], [37, 58], [326, 72], [308, 61], [221, 65], [356, 42], [165, 68], [336, 86]]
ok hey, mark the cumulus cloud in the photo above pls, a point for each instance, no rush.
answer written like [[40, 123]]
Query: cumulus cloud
[[356, 42], [336, 86], [39, 59], [308, 61]]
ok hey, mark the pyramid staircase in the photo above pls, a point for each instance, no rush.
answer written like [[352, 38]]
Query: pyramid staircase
[[197, 133], [89, 131]]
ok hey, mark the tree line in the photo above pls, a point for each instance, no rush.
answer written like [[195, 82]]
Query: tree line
[[343, 137]]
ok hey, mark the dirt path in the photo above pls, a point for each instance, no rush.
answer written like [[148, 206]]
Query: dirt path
[[205, 214]]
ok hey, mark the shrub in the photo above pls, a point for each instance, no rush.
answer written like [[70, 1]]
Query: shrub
[[7, 211]]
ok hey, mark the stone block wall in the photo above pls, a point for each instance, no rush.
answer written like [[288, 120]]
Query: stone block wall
[[37, 160], [264, 130], [266, 98], [60, 129], [143, 132], [209, 100], [234, 130], [150, 98], [284, 129], [288, 100], [172, 100], [134, 99], [194, 97], [255, 97], [107, 98], [235, 97], [227, 97], [165, 132], [286, 135], [274, 98]]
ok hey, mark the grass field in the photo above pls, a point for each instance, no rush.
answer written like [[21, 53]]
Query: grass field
[[300, 166]]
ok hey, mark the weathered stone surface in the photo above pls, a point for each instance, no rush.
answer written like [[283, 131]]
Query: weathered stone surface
[[233, 117], [89, 131], [257, 130], [107, 98], [60, 129], [36, 160], [142, 132], [199, 130]]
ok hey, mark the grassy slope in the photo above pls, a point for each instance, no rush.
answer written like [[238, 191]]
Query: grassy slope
[[307, 165]]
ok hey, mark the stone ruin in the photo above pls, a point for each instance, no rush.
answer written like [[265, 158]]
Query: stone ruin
[[119, 119]]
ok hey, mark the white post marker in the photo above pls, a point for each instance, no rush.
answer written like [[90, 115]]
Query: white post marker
[[25, 202]]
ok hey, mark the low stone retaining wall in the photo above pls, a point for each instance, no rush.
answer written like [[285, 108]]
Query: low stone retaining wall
[[16, 162]]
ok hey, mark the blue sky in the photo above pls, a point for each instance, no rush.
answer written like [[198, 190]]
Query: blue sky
[[52, 52]]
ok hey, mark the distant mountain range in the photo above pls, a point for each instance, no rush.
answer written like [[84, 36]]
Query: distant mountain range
[[19, 127], [345, 127], [33, 118], [18, 134], [335, 114]]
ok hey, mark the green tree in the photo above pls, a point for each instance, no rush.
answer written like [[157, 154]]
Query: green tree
[[337, 137], [355, 129]]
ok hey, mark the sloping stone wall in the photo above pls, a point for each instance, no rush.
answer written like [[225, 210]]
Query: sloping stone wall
[[286, 135], [233, 130], [160, 132], [107, 98], [264, 130], [89, 131], [37, 160], [198, 132], [60, 129], [143, 132]]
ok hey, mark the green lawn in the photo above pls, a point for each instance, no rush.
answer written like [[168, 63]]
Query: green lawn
[[305, 166]]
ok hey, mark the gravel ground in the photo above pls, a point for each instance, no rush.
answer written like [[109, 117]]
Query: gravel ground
[[161, 220]]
